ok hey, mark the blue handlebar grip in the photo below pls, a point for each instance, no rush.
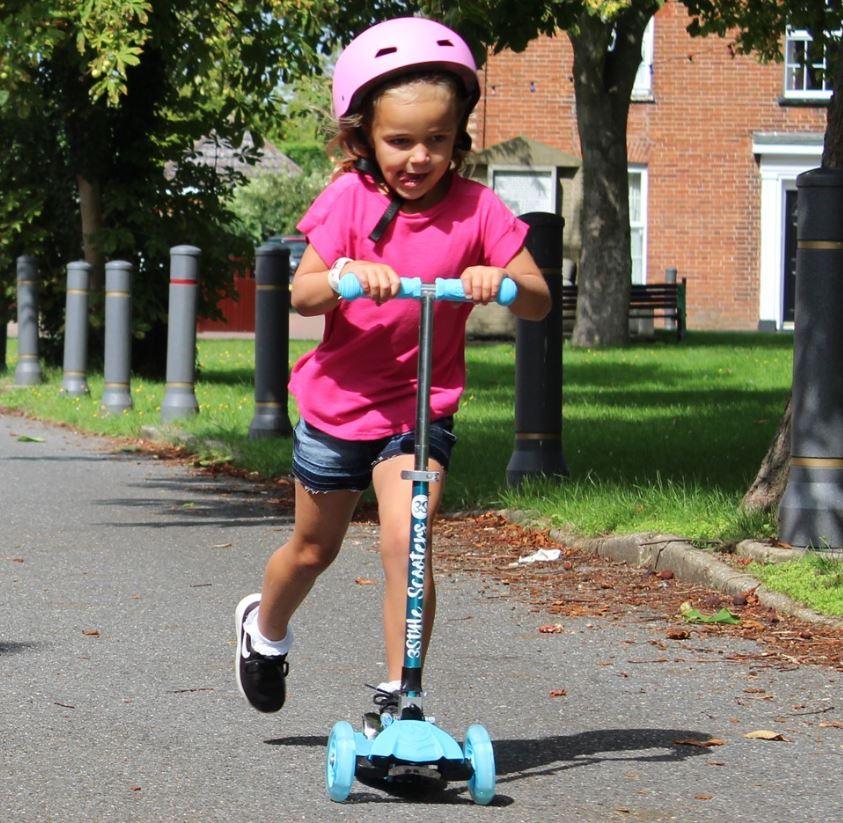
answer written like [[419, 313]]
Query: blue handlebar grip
[[451, 289], [507, 292], [350, 288], [410, 287]]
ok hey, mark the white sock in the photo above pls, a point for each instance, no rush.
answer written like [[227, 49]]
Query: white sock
[[390, 686], [263, 645]]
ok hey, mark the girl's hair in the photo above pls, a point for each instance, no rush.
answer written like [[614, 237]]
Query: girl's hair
[[351, 142]]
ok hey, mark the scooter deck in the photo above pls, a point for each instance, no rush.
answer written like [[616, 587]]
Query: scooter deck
[[390, 758]]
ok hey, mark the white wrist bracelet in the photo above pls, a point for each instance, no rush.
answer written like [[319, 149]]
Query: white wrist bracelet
[[335, 271]]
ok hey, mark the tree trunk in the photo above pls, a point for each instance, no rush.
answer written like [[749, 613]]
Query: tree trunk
[[768, 487], [606, 58], [90, 207]]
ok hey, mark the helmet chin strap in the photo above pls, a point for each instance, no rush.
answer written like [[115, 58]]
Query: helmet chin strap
[[366, 166]]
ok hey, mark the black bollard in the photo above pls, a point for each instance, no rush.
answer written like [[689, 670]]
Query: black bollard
[[117, 394], [28, 370], [272, 341], [538, 365], [179, 395], [75, 365], [811, 510]]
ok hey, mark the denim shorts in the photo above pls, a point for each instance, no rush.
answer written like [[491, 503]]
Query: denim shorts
[[323, 463]]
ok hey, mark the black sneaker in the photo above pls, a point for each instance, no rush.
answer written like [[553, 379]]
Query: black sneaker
[[387, 704], [386, 701], [260, 678]]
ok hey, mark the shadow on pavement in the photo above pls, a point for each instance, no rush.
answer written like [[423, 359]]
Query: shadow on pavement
[[186, 501], [10, 647], [530, 757]]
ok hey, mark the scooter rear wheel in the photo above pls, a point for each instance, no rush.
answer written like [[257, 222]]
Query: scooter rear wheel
[[340, 761], [479, 753]]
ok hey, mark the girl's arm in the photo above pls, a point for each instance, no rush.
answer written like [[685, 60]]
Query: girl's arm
[[533, 301], [312, 293]]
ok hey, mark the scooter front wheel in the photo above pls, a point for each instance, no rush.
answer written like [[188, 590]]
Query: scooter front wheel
[[340, 761], [479, 753]]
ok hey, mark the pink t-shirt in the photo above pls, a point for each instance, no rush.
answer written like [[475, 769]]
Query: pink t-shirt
[[359, 383]]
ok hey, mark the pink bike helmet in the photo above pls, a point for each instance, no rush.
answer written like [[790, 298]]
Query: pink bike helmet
[[394, 47]]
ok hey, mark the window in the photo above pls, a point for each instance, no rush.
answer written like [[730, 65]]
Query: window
[[638, 222], [643, 87], [805, 77], [526, 191]]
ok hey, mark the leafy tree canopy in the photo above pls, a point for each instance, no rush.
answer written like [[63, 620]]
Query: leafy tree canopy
[[98, 97]]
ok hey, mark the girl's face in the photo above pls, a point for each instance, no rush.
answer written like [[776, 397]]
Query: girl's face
[[413, 132]]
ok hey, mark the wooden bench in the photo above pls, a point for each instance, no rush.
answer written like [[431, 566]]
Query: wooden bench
[[650, 300]]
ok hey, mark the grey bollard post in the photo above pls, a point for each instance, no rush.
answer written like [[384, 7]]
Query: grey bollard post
[[272, 341], [4, 334], [75, 366], [538, 365], [28, 370], [117, 395], [811, 509], [179, 397], [670, 276]]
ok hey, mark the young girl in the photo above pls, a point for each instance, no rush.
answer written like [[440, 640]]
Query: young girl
[[403, 91]]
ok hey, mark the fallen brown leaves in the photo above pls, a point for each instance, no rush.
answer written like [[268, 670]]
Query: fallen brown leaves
[[584, 585], [700, 744]]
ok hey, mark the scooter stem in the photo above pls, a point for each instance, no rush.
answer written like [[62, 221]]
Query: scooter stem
[[411, 685]]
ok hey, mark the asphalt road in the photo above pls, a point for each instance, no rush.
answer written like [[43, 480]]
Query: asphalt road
[[119, 575]]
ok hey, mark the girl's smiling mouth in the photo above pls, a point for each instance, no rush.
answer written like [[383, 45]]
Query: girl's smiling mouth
[[412, 179]]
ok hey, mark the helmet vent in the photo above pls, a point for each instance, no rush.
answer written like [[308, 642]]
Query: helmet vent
[[444, 43], [387, 50]]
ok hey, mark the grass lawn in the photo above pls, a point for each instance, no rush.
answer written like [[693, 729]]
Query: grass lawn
[[658, 436], [815, 580]]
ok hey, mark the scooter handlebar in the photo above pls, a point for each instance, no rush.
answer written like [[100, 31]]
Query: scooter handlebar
[[446, 289]]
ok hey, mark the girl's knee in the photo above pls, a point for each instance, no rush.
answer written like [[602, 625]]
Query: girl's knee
[[309, 556]]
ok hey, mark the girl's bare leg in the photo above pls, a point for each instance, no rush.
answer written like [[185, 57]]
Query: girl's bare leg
[[394, 495], [321, 523]]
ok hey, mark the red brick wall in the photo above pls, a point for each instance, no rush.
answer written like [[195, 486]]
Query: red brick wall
[[695, 137]]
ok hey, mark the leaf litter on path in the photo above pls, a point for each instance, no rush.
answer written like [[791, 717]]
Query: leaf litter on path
[[590, 586]]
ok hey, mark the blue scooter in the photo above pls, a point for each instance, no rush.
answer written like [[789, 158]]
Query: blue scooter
[[410, 748]]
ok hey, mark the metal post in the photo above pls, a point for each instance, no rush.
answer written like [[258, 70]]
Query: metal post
[[28, 371], [811, 510], [75, 366], [4, 333], [179, 397], [538, 365], [117, 396], [272, 341], [670, 276]]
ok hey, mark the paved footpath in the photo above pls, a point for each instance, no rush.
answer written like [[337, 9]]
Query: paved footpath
[[118, 579]]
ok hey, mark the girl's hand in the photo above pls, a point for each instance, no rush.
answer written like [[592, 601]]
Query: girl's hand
[[379, 281], [481, 283]]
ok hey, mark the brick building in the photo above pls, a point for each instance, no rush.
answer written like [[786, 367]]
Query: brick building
[[715, 144]]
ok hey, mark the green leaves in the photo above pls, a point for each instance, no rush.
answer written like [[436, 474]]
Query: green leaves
[[692, 615]]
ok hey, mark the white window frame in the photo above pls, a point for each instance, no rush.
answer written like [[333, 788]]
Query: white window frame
[[641, 223], [803, 36], [779, 166], [643, 87], [545, 171]]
